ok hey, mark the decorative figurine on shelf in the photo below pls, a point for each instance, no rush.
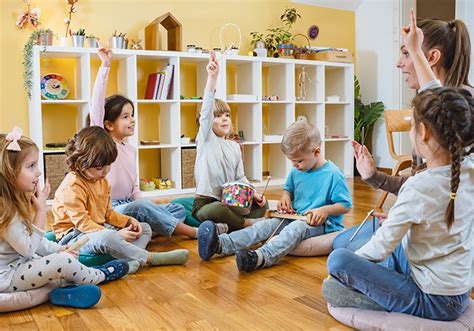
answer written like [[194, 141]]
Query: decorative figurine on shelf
[[302, 77], [136, 44]]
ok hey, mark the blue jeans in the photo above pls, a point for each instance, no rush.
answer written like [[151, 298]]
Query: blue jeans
[[290, 235], [162, 218], [392, 286], [108, 241], [364, 235]]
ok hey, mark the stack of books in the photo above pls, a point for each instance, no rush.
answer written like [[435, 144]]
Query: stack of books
[[159, 84]]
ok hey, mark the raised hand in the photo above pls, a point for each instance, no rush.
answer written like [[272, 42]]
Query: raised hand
[[105, 54], [412, 35], [213, 66], [364, 161]]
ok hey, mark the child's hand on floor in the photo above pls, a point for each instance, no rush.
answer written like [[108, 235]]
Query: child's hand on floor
[[317, 216], [135, 226], [39, 196], [128, 234], [259, 199], [105, 55]]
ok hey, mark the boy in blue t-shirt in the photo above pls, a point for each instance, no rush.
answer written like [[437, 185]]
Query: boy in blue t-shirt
[[314, 187]]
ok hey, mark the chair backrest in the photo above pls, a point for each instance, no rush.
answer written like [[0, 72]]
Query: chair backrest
[[396, 121]]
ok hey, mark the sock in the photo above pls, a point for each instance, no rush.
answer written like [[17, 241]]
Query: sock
[[178, 256], [133, 266], [222, 228], [260, 259]]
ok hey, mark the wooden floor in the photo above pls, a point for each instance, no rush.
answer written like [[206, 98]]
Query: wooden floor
[[206, 295]]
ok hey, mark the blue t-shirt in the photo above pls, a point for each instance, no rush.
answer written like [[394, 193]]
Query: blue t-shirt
[[319, 187]]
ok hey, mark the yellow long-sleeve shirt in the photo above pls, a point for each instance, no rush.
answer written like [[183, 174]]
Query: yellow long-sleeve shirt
[[84, 205]]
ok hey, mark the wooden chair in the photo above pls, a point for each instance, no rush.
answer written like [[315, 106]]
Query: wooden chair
[[396, 121]]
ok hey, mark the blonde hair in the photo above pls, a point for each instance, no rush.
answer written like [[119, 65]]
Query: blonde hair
[[92, 147], [300, 136], [13, 202], [220, 107]]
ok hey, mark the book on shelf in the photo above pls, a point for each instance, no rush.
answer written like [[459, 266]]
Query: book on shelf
[[168, 79], [151, 86], [160, 85]]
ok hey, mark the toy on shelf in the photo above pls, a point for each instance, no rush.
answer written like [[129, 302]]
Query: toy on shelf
[[238, 196], [174, 33], [162, 183], [54, 87], [146, 185], [270, 98], [149, 142], [302, 77]]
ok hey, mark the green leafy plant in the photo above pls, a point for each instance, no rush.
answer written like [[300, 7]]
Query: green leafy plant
[[365, 116], [278, 35], [28, 58]]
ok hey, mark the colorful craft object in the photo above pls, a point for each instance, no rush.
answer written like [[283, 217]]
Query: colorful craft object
[[54, 86], [238, 196], [162, 183], [29, 18], [146, 185]]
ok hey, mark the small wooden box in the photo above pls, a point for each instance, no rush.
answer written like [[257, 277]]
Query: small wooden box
[[188, 159], [55, 169], [334, 56]]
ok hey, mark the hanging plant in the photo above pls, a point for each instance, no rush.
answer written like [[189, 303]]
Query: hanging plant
[[28, 58]]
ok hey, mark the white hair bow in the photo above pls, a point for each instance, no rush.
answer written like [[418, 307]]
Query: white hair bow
[[13, 137]]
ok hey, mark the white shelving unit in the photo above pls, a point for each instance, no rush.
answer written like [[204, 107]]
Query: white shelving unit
[[262, 122]]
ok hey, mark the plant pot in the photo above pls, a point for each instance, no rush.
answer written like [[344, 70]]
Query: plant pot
[[77, 41], [93, 43], [117, 42], [285, 50], [125, 44], [45, 38]]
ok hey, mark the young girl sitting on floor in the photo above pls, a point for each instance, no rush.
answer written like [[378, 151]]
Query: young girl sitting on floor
[[116, 115], [28, 260], [82, 205], [218, 161], [427, 236]]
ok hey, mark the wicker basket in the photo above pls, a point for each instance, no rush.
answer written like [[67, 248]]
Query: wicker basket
[[304, 56], [55, 169], [188, 158]]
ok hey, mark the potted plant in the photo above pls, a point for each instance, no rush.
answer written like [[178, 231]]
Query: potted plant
[[365, 116], [279, 38], [118, 39], [78, 38], [93, 41], [43, 37]]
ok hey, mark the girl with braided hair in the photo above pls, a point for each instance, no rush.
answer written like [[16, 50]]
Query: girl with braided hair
[[419, 261]]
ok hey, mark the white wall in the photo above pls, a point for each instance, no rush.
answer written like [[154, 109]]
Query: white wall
[[377, 45], [465, 12]]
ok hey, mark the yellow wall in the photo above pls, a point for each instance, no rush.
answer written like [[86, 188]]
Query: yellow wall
[[201, 22]]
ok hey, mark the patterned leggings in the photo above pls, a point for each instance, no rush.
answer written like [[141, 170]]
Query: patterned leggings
[[39, 272]]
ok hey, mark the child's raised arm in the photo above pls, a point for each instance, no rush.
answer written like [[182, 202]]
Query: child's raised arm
[[207, 115], [413, 41], [97, 110]]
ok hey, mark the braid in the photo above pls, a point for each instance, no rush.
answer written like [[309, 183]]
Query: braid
[[448, 112]]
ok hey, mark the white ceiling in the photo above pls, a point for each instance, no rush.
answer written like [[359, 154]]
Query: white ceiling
[[336, 4]]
